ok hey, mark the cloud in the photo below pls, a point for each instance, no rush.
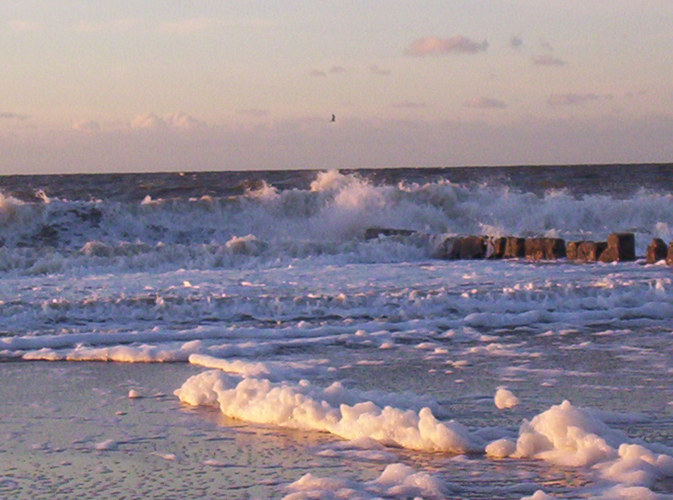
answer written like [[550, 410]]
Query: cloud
[[334, 70], [13, 116], [372, 143], [374, 69], [638, 93], [515, 42], [175, 121], [88, 126], [148, 121], [435, 46], [571, 99], [484, 103], [183, 121], [547, 60]]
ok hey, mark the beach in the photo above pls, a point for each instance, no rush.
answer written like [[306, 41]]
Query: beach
[[70, 430]]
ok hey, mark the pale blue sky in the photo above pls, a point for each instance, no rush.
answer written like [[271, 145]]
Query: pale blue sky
[[156, 85]]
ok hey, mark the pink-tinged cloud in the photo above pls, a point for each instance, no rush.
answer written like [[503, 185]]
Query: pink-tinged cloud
[[484, 103], [147, 121], [337, 70], [319, 145], [317, 73], [175, 121], [88, 126], [183, 121], [435, 46], [374, 69], [571, 99], [547, 60]]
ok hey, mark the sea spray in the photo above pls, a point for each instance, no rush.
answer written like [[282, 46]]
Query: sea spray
[[329, 217]]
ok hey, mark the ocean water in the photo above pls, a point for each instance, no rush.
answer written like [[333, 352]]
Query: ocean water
[[234, 335]]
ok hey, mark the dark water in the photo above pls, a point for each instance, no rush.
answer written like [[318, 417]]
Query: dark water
[[617, 180]]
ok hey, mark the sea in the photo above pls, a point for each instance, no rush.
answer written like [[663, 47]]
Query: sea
[[236, 335]]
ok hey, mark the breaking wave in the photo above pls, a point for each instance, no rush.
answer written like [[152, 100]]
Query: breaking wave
[[328, 219]]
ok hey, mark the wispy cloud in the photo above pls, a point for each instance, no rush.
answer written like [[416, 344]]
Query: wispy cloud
[[183, 121], [435, 46], [484, 103], [638, 93], [88, 126], [516, 42], [376, 70], [571, 99], [400, 142], [13, 116], [175, 121], [548, 60], [336, 69]]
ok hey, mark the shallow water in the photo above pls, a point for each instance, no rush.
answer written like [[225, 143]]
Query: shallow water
[[70, 428]]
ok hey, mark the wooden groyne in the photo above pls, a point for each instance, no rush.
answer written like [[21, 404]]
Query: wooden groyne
[[658, 250], [619, 247]]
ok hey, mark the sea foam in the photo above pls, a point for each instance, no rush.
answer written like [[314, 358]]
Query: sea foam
[[564, 434], [301, 406]]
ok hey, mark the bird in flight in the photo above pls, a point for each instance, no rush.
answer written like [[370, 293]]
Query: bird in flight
[[333, 118]]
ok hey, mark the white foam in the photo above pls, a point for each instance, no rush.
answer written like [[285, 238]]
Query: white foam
[[501, 448], [245, 245], [563, 434], [237, 366], [302, 406], [396, 481], [505, 399], [570, 436], [538, 495], [107, 445]]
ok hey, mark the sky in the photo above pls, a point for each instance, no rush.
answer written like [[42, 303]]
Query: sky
[[130, 86]]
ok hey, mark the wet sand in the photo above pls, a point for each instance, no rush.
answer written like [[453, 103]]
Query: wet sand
[[70, 430]]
